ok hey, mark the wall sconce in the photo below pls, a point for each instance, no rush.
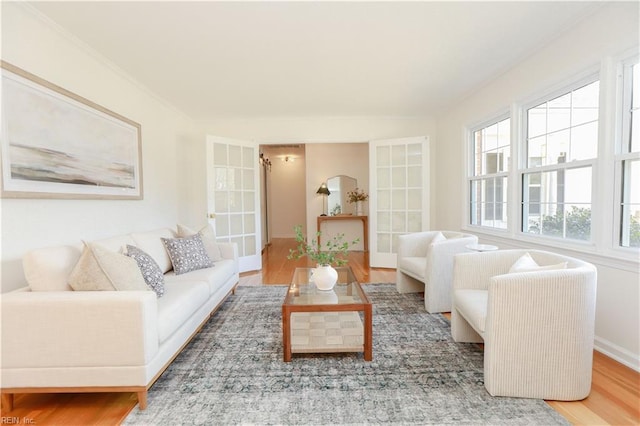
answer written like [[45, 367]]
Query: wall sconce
[[265, 162], [324, 191]]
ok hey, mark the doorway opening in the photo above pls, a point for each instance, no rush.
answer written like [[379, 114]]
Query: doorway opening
[[282, 184]]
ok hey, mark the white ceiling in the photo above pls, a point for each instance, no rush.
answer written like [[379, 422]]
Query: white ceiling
[[269, 59]]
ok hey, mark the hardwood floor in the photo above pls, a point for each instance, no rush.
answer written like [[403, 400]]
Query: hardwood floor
[[614, 398]]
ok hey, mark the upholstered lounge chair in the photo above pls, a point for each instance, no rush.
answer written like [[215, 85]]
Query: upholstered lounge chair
[[425, 262], [537, 326]]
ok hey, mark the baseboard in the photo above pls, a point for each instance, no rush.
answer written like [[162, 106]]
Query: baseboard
[[617, 353]]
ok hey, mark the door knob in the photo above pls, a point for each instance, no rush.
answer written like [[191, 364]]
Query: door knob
[[212, 215]]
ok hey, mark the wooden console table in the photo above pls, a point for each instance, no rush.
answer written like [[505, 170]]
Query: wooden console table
[[365, 226]]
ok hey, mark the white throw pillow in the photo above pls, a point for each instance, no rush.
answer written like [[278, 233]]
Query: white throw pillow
[[102, 269], [208, 236], [438, 238], [150, 242], [526, 264], [48, 269]]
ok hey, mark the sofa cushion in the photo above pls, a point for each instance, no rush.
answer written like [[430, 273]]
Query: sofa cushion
[[215, 277], [187, 254], [150, 270], [526, 264], [472, 305], [48, 269], [101, 269], [181, 300], [415, 266], [150, 242], [208, 239]]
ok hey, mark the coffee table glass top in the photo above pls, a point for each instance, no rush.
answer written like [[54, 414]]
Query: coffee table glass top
[[302, 290]]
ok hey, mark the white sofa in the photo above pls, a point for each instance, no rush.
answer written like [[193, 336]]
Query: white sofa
[[425, 262], [55, 339], [537, 324]]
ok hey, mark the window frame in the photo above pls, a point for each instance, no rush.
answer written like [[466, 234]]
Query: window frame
[[471, 177], [622, 148]]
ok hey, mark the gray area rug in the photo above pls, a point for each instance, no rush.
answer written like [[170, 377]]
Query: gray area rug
[[232, 373]]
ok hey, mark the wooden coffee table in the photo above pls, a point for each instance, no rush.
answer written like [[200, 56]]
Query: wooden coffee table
[[315, 321]]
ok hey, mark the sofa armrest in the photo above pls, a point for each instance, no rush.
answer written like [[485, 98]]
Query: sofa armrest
[[440, 258], [439, 272], [78, 328]]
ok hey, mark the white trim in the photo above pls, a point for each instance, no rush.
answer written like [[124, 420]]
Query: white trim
[[568, 84], [617, 353], [620, 259]]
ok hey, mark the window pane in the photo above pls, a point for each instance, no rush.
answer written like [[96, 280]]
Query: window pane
[[558, 203], [584, 141], [559, 113], [490, 139], [537, 121], [631, 204], [504, 133], [557, 147], [633, 87], [635, 131], [490, 145], [488, 202]]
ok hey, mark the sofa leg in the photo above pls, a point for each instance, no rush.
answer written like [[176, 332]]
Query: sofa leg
[[142, 400], [7, 402]]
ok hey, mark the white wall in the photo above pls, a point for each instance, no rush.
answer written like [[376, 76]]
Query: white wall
[[40, 48], [613, 30]]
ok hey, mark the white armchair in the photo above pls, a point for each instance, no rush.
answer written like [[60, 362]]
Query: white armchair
[[425, 264], [537, 326]]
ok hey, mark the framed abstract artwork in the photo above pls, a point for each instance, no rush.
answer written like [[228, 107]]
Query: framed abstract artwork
[[56, 144]]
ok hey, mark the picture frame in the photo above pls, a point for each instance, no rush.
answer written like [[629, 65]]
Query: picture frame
[[56, 144]]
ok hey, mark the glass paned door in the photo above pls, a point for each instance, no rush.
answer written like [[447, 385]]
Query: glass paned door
[[399, 196], [232, 197]]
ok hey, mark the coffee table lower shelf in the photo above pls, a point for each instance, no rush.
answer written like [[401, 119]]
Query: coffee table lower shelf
[[326, 332]]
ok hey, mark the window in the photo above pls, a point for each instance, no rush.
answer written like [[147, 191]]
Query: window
[[561, 148], [488, 184], [629, 158]]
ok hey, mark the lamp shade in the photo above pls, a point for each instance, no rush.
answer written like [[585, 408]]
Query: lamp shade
[[323, 189]]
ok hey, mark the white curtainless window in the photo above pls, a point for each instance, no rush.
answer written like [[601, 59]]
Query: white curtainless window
[[560, 146], [491, 149]]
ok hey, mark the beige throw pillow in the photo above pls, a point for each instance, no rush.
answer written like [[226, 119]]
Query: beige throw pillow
[[526, 264], [208, 236], [101, 269]]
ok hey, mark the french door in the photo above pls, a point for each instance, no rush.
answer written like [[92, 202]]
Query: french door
[[233, 197], [399, 194]]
